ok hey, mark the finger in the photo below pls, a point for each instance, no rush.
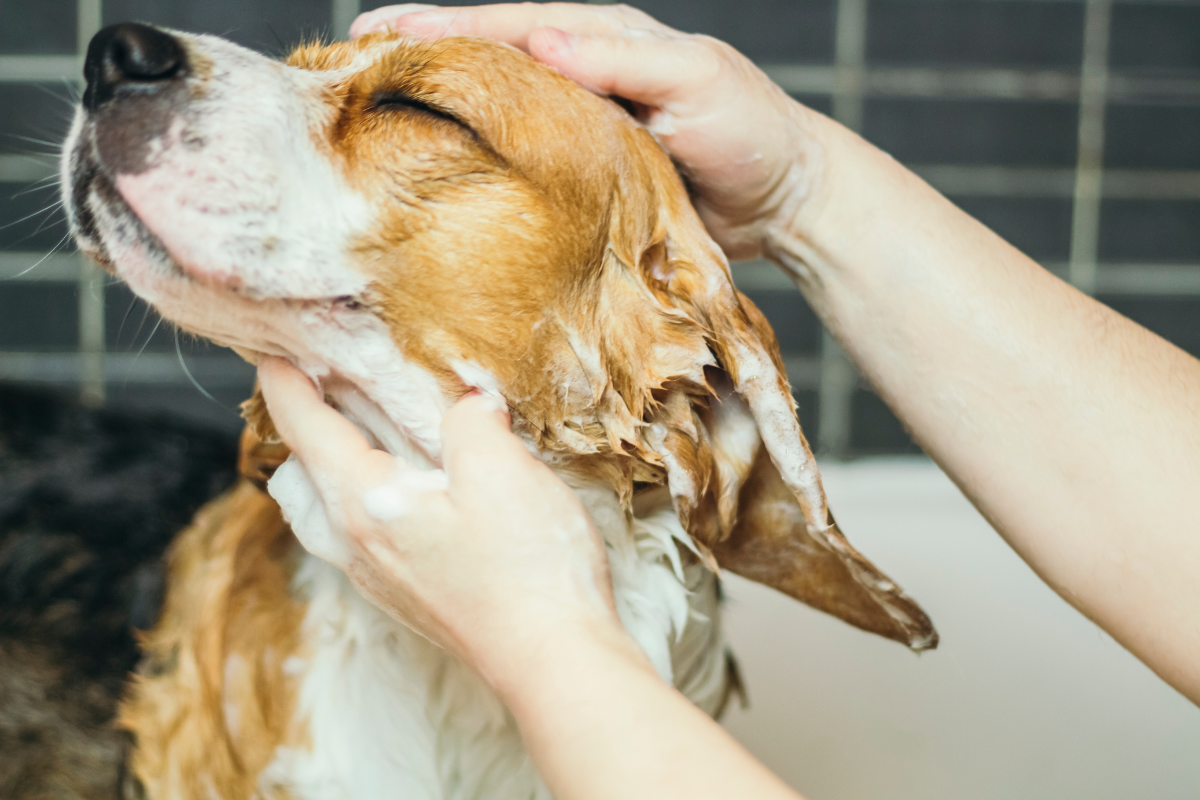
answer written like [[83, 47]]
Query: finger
[[322, 438], [303, 508], [476, 438], [382, 19], [511, 22], [648, 67]]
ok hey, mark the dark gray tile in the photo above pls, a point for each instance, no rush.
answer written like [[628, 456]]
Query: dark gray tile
[[34, 117], [30, 217], [1156, 36], [131, 326], [1176, 319], [184, 402], [37, 26], [973, 131], [1150, 230], [808, 410], [1038, 227], [1153, 137], [874, 429], [272, 26], [38, 316], [765, 30], [1017, 34], [796, 326], [817, 102]]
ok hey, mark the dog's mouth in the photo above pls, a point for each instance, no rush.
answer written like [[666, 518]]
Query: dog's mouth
[[233, 315], [101, 219], [322, 332], [104, 220]]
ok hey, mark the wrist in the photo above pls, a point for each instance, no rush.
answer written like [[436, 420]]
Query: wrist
[[539, 670], [795, 235]]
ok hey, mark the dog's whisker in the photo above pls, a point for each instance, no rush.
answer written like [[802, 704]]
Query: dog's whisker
[[125, 316], [146, 343], [30, 216], [52, 251], [188, 372], [40, 185]]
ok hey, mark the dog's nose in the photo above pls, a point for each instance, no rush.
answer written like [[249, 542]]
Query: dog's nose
[[130, 55]]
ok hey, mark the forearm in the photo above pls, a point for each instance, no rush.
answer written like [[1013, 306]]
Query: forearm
[[599, 723], [1073, 430]]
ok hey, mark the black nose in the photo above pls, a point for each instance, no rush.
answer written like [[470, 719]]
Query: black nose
[[129, 55]]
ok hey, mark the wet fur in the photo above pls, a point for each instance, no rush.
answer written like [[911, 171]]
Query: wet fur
[[467, 219]]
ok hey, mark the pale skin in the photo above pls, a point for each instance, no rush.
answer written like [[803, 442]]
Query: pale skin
[[1073, 430]]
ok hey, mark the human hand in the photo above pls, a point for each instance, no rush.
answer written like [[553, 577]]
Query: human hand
[[750, 153], [492, 558]]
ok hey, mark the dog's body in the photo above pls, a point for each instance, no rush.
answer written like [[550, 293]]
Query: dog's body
[[269, 675], [408, 222]]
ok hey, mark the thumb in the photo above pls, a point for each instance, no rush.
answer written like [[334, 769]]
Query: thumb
[[321, 437], [650, 67]]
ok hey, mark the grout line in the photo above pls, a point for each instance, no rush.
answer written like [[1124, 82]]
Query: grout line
[[91, 278], [145, 369], [91, 332], [850, 43], [1089, 168], [89, 19], [342, 14], [951, 83], [838, 377], [23, 168], [1129, 279]]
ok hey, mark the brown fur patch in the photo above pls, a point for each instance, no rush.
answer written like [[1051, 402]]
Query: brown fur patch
[[228, 625], [538, 232]]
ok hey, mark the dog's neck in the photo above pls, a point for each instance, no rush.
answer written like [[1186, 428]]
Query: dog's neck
[[381, 430]]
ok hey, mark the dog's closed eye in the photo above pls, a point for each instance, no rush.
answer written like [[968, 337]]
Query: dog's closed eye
[[400, 102]]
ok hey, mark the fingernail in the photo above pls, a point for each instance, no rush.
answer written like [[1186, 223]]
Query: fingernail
[[387, 19], [561, 41]]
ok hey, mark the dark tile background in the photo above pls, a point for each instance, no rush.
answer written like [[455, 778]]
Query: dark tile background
[[998, 132], [1155, 37], [1147, 39], [272, 26], [978, 34], [37, 26]]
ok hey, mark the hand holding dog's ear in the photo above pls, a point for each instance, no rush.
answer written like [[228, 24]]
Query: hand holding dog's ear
[[747, 148], [488, 559]]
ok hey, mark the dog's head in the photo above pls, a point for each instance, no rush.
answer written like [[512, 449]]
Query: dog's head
[[411, 221]]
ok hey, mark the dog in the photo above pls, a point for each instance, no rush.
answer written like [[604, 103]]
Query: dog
[[408, 222]]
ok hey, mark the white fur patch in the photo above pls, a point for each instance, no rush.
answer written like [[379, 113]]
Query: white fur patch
[[758, 383]]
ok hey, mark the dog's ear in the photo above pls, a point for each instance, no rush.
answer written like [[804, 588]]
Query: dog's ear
[[744, 481], [261, 451]]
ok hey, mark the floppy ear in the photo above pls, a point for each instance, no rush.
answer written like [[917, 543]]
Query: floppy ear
[[784, 534], [744, 482]]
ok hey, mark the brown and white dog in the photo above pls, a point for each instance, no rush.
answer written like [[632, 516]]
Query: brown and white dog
[[408, 222]]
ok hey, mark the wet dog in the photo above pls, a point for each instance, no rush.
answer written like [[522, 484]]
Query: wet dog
[[408, 222]]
